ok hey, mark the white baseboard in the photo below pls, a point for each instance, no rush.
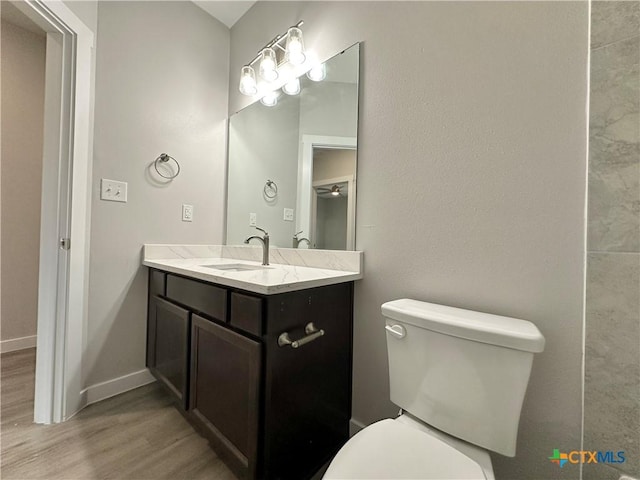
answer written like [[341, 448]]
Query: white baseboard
[[15, 344], [110, 388], [355, 426]]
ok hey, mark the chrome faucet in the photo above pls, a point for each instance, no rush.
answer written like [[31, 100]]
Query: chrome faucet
[[297, 241], [265, 244]]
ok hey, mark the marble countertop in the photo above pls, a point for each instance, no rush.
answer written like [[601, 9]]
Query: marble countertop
[[294, 273]]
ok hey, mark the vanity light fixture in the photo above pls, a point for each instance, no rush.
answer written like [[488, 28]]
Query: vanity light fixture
[[268, 65], [287, 48], [295, 47], [248, 85]]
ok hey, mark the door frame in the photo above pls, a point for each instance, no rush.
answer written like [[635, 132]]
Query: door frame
[[305, 173], [66, 200]]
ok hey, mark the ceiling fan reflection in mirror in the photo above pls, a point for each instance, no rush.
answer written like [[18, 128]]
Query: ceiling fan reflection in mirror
[[334, 191]]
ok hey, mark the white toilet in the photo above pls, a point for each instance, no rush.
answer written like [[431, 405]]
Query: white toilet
[[460, 378]]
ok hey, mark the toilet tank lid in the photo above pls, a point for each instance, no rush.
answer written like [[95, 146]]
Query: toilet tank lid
[[480, 327]]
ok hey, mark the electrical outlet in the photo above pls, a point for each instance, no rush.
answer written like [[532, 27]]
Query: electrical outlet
[[113, 191], [288, 214], [187, 213], [253, 219]]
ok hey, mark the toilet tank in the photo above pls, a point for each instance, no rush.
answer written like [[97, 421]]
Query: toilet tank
[[461, 371]]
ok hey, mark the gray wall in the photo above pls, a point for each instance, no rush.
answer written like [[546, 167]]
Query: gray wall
[[329, 108], [612, 373], [331, 226], [472, 119], [263, 145], [86, 11], [23, 61], [161, 86]]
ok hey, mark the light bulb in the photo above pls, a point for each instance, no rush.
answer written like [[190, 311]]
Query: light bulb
[[269, 65], [317, 72], [248, 81], [292, 87], [295, 46], [269, 99]]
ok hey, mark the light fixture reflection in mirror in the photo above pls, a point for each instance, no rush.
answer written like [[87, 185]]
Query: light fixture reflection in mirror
[[307, 144], [292, 87], [270, 99], [317, 73]]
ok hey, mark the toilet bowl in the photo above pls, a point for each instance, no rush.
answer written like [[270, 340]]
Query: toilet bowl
[[460, 377], [400, 449]]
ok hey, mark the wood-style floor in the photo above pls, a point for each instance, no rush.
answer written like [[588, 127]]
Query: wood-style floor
[[134, 436]]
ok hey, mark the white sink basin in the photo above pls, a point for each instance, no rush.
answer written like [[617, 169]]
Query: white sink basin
[[235, 267]]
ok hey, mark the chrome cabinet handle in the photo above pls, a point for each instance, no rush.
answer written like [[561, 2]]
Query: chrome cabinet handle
[[311, 331]]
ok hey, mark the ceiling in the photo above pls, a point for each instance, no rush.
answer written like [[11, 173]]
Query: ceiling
[[228, 12]]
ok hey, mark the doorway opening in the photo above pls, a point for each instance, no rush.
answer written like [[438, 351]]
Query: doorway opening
[[67, 135]]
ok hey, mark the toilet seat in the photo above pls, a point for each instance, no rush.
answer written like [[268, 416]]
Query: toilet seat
[[392, 450]]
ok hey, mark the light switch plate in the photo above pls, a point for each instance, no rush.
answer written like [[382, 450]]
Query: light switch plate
[[253, 219], [288, 214], [187, 213], [113, 190]]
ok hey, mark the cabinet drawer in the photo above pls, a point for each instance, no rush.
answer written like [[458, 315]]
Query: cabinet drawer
[[198, 296], [157, 283], [246, 313]]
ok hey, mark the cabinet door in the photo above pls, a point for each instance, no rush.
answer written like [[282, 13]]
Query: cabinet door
[[224, 392], [157, 286], [307, 389], [171, 342]]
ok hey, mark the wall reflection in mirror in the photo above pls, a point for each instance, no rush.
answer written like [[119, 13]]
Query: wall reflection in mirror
[[292, 166]]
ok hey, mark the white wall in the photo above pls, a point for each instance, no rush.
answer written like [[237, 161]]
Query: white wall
[[23, 67], [472, 120], [85, 10], [161, 86]]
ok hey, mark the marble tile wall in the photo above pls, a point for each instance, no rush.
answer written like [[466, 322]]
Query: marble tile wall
[[612, 364]]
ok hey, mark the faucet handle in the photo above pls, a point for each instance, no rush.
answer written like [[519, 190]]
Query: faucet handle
[[295, 235], [262, 230]]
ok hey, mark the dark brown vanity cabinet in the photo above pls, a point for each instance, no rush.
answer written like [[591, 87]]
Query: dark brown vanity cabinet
[[225, 386], [171, 347], [269, 376], [168, 341]]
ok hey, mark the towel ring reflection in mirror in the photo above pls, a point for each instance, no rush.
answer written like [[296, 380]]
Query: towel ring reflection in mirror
[[270, 190]]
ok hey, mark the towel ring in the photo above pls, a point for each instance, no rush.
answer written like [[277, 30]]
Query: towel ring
[[164, 158], [270, 189]]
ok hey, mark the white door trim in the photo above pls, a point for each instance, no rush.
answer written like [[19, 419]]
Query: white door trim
[[66, 194], [305, 173]]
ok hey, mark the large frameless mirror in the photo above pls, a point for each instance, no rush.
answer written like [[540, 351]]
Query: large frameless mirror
[[292, 166]]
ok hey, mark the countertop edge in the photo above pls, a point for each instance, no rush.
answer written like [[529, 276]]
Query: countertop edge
[[339, 277]]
